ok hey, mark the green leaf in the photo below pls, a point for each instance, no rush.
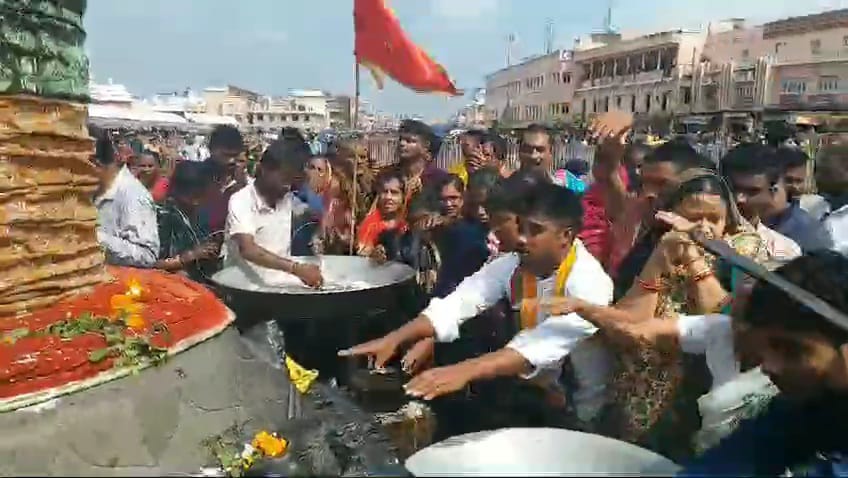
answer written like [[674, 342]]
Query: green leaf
[[96, 356]]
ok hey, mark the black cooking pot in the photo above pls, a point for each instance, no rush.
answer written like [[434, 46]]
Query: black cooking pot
[[354, 287]]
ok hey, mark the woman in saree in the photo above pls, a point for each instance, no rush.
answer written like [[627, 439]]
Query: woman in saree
[[352, 159], [387, 214], [185, 243], [334, 233], [650, 404]]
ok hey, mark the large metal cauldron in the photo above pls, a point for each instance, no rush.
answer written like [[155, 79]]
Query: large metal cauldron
[[536, 452], [354, 287]]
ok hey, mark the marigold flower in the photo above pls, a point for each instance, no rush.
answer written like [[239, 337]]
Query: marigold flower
[[135, 290], [135, 321], [270, 445]]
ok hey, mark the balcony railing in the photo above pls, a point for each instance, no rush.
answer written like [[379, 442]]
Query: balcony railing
[[813, 101], [819, 56]]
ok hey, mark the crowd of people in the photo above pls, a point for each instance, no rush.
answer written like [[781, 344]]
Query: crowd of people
[[574, 298]]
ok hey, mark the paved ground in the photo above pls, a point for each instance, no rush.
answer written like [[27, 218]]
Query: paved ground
[[153, 423]]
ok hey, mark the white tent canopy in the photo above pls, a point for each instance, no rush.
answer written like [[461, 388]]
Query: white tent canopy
[[207, 119], [133, 113]]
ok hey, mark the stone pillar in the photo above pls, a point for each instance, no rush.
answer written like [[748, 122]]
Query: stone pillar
[[50, 249]]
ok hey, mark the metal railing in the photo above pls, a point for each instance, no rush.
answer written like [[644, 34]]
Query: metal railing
[[383, 152]]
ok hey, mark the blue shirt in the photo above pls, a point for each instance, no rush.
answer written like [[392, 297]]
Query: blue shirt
[[809, 439], [798, 225]]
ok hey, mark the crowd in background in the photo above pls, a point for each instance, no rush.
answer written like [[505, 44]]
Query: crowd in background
[[593, 308]]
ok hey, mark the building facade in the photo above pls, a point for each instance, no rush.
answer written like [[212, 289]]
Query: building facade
[[790, 65], [537, 90], [304, 109], [645, 75]]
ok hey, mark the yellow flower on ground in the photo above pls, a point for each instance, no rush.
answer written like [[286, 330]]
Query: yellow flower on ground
[[135, 321], [121, 303], [135, 290], [269, 445], [300, 377]]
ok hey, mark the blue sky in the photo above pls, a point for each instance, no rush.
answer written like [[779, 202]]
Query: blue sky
[[272, 45]]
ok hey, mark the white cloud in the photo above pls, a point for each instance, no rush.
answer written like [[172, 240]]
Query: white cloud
[[464, 9]]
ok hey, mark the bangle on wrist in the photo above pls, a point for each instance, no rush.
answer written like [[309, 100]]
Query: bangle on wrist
[[655, 286], [701, 275]]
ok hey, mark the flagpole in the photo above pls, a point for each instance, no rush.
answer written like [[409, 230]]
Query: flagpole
[[354, 202]]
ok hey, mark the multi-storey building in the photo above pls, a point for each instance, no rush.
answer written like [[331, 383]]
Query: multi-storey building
[[537, 90], [303, 109], [797, 64], [340, 109], [645, 75]]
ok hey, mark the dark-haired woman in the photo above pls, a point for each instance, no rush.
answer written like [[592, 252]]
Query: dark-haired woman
[[184, 242], [388, 213], [145, 166], [654, 402]]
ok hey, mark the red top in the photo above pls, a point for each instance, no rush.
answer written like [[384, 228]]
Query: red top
[[596, 227], [159, 191], [372, 226]]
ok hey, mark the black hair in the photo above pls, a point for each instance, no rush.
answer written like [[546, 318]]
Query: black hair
[[527, 179], [635, 149], [537, 128], [679, 153], [388, 175], [104, 150], [148, 152], [422, 204], [823, 273], [483, 179], [791, 157], [478, 134], [577, 167], [450, 180], [290, 132], [557, 204], [286, 153], [213, 170], [501, 199], [226, 136], [753, 159], [832, 169], [189, 177], [633, 263], [499, 144], [423, 131]]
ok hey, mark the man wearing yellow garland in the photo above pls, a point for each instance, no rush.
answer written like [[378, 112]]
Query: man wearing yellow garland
[[555, 264]]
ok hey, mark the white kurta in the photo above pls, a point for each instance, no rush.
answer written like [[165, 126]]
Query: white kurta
[[554, 338]]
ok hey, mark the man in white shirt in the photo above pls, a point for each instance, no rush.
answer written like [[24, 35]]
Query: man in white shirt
[[126, 218], [832, 182], [540, 348], [259, 220]]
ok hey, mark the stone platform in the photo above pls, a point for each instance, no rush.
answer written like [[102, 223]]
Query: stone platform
[[153, 423]]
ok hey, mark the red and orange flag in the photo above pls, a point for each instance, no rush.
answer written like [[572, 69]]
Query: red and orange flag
[[384, 48]]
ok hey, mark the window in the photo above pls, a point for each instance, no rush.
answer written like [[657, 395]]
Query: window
[[794, 86], [745, 54], [845, 40], [566, 78], [828, 84], [815, 46], [618, 102], [777, 47], [648, 103]]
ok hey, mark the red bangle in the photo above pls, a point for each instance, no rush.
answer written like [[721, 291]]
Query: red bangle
[[699, 276], [657, 286]]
